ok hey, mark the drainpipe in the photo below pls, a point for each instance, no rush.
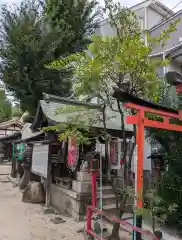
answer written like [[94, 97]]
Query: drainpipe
[[164, 67], [145, 25]]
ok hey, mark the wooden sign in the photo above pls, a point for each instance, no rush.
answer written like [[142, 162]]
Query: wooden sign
[[73, 154], [40, 160]]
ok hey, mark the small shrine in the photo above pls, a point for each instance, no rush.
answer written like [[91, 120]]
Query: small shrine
[[64, 165]]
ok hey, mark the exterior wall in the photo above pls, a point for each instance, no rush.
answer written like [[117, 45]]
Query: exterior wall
[[147, 161], [105, 29], [174, 66], [174, 37], [152, 18], [147, 153]]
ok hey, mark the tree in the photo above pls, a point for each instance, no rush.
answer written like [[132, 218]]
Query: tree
[[29, 41], [76, 19], [5, 106]]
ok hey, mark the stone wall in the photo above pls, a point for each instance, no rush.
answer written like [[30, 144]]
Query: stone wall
[[73, 201]]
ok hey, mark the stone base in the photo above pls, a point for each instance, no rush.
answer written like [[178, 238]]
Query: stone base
[[83, 176], [81, 187], [69, 202], [34, 193]]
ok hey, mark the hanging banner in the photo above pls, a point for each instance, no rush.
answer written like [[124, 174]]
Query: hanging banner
[[20, 150], [114, 152], [73, 154]]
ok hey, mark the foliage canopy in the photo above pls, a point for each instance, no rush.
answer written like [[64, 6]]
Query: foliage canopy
[[29, 40]]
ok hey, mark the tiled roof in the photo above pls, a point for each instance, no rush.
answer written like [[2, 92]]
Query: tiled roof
[[90, 116], [14, 121]]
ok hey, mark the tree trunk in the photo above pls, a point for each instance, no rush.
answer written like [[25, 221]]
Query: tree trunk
[[153, 223], [120, 211], [108, 167], [116, 226]]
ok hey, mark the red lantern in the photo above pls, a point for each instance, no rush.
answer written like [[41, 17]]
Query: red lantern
[[73, 154]]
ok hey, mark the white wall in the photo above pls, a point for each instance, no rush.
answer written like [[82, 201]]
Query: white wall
[[146, 161], [174, 66], [105, 29], [153, 17]]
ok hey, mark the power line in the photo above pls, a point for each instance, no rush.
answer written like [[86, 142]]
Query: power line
[[176, 5], [160, 21]]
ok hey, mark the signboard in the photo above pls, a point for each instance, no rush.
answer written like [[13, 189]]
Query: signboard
[[73, 154], [40, 159]]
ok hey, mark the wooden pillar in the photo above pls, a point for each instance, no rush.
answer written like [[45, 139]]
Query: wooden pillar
[[48, 181], [139, 174]]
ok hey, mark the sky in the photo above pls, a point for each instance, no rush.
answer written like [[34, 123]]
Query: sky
[[128, 3]]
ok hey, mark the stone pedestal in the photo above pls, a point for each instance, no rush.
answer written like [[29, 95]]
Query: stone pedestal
[[82, 184], [73, 201], [83, 176]]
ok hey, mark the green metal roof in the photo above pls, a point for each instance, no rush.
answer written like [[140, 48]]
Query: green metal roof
[[54, 111]]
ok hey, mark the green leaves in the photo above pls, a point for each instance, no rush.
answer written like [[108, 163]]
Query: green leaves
[[64, 62], [172, 207]]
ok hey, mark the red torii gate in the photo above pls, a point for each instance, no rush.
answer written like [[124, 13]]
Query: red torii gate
[[141, 121]]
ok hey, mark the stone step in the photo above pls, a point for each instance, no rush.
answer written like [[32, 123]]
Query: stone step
[[108, 199], [109, 207], [106, 190]]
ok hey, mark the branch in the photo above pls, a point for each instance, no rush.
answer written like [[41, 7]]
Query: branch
[[124, 138]]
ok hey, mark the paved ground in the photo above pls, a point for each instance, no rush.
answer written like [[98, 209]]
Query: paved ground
[[22, 221]]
